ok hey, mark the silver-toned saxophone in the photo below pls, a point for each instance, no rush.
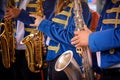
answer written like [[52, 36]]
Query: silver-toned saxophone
[[7, 40], [66, 61], [83, 51], [68, 64], [34, 43]]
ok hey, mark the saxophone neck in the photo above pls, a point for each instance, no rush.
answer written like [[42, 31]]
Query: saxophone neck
[[79, 22]]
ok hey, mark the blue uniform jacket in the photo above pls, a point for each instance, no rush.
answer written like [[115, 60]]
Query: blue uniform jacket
[[61, 30], [108, 39], [31, 9], [24, 15]]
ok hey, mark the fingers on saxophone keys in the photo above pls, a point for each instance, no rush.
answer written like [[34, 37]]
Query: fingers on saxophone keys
[[75, 41]]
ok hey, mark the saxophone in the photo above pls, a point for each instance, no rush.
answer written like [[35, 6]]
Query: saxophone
[[7, 41], [4, 46], [68, 64], [83, 51], [34, 45], [66, 61]]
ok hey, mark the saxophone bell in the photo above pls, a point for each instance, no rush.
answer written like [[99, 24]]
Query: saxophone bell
[[26, 39], [67, 63]]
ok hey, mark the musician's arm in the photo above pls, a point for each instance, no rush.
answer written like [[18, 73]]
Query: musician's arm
[[104, 40]]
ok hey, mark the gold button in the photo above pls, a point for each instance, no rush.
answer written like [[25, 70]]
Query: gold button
[[112, 51]]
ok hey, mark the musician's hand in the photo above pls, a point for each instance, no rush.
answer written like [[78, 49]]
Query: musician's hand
[[12, 13], [37, 21], [81, 37]]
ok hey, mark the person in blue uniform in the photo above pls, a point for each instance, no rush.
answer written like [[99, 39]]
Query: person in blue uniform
[[20, 12], [60, 30], [105, 42], [23, 16]]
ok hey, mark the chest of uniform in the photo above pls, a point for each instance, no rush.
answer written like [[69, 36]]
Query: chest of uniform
[[111, 18]]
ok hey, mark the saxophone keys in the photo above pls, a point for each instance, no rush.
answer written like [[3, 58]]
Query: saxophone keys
[[79, 51]]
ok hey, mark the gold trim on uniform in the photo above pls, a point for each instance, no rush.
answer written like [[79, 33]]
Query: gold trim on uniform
[[65, 13], [58, 20], [26, 29], [68, 14], [54, 48], [71, 6], [29, 29], [114, 1], [111, 21], [117, 9], [112, 51], [33, 13], [16, 1], [115, 21], [32, 5]]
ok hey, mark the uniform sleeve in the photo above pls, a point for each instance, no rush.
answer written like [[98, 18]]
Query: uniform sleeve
[[104, 40], [25, 18], [56, 31]]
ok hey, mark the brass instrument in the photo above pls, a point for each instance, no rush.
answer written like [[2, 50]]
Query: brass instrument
[[83, 51], [7, 41], [34, 45], [68, 64], [4, 46]]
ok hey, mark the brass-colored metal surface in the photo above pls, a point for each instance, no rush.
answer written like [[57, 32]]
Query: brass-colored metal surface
[[7, 43], [35, 45]]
